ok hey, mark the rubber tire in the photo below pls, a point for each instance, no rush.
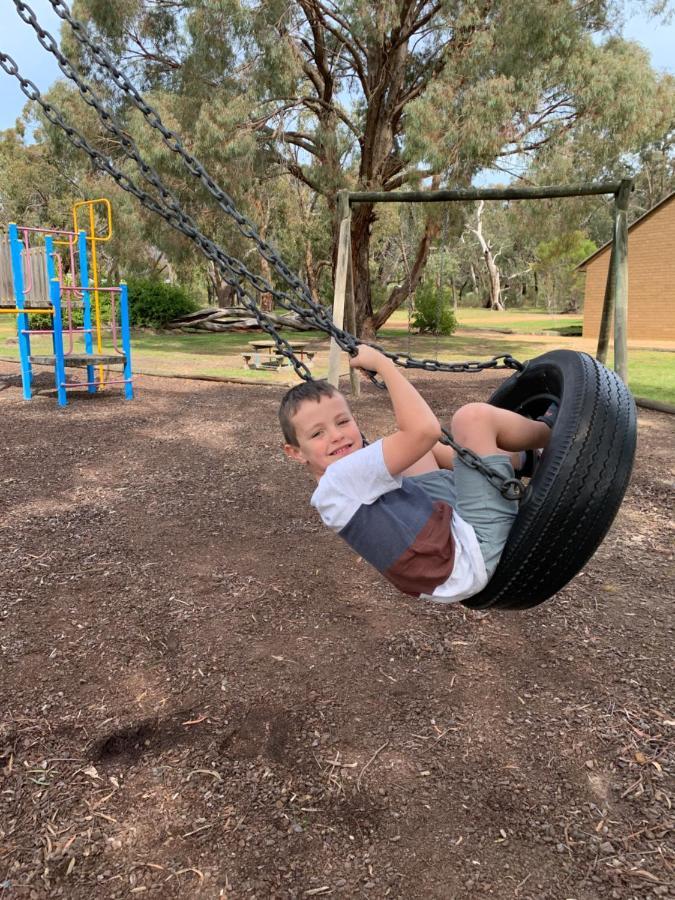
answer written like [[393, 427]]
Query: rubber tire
[[579, 484]]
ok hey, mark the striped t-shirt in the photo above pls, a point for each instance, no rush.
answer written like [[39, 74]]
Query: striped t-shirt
[[419, 544]]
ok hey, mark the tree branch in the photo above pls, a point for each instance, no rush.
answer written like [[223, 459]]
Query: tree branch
[[351, 44]]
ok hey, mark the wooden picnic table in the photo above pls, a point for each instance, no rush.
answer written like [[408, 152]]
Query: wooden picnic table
[[268, 349], [270, 345]]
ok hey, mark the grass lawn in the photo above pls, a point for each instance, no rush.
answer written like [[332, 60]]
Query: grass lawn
[[175, 353], [516, 321], [651, 373]]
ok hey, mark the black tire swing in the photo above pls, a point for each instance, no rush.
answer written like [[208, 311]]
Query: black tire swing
[[579, 483]]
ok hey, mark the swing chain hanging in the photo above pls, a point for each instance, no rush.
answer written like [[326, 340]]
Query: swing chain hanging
[[315, 314], [169, 137], [177, 221], [232, 269], [132, 151]]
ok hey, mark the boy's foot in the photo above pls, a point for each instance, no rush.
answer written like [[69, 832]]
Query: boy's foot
[[550, 415], [529, 460]]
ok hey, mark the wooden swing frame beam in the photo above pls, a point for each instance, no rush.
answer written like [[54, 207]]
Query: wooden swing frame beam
[[616, 291]]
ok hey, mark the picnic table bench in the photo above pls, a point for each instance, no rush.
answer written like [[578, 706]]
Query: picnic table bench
[[264, 354]]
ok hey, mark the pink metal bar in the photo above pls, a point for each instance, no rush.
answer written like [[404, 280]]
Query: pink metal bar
[[27, 265], [70, 287], [59, 267], [71, 248], [47, 230], [113, 324], [51, 330]]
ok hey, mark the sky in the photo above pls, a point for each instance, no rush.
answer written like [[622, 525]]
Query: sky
[[19, 41]]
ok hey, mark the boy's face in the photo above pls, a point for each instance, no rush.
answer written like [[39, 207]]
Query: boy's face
[[326, 431]]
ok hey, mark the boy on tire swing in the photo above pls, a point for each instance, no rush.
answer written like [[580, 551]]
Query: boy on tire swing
[[433, 526]]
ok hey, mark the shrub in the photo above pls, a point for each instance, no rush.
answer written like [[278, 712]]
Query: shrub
[[432, 310], [154, 303]]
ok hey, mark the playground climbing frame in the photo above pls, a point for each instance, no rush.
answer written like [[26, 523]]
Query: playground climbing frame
[[54, 278]]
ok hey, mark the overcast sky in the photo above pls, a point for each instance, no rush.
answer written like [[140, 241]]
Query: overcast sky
[[19, 41]]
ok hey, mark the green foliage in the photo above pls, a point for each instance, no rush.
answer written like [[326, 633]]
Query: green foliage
[[571, 248], [154, 303], [557, 259], [432, 310]]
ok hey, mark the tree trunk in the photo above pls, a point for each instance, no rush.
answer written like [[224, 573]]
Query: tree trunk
[[401, 293], [495, 284], [262, 207], [362, 220], [219, 291], [367, 320], [380, 162], [310, 271], [494, 279], [266, 299]]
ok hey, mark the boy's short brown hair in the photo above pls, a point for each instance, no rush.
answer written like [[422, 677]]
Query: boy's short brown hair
[[293, 399]]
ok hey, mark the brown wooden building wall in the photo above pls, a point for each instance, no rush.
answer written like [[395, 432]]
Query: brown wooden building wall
[[651, 277]]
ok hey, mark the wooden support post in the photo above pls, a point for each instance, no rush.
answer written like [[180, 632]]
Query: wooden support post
[[342, 278], [350, 318], [620, 277]]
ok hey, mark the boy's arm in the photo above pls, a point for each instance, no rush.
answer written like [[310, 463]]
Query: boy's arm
[[418, 427]]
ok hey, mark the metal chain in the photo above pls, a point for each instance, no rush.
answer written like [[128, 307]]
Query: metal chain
[[171, 139], [511, 488], [207, 247], [319, 316], [174, 216], [131, 150]]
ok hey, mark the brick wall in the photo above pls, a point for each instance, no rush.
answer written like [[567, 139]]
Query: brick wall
[[651, 278]]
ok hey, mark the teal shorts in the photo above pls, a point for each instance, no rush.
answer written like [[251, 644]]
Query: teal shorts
[[477, 501]]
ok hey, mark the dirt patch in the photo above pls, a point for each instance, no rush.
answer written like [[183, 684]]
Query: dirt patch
[[204, 694]]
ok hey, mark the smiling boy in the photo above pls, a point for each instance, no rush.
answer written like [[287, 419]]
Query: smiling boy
[[433, 526]]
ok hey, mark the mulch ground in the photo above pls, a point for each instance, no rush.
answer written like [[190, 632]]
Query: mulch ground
[[204, 694]]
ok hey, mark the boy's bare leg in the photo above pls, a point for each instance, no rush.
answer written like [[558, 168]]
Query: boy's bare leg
[[426, 464], [445, 457], [488, 430]]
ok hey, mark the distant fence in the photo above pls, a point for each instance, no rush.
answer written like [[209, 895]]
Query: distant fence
[[35, 276]]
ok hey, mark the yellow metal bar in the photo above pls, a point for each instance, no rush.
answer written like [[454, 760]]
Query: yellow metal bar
[[94, 239], [91, 203], [97, 304], [14, 311]]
